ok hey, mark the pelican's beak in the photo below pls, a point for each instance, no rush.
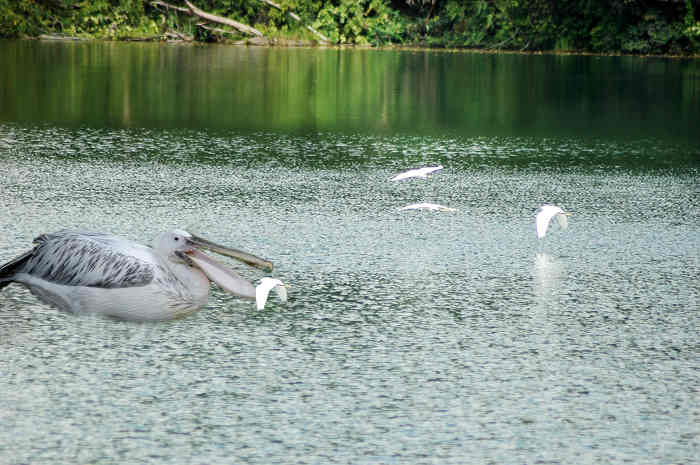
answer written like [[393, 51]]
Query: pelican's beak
[[226, 278], [248, 259]]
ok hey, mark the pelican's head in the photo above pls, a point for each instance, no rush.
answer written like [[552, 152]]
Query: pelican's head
[[172, 244], [182, 247]]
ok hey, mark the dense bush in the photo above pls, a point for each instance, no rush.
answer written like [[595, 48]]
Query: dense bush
[[626, 26], [108, 19]]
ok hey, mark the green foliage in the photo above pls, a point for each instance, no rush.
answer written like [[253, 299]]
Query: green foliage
[[360, 22], [691, 26], [526, 25], [105, 19], [15, 20], [628, 26]]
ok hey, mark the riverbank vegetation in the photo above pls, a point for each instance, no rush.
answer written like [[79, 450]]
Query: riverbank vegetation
[[599, 26]]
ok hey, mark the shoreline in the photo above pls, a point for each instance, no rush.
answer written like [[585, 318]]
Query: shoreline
[[296, 43]]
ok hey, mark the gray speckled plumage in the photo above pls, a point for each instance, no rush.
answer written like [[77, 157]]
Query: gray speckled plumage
[[81, 271], [75, 258]]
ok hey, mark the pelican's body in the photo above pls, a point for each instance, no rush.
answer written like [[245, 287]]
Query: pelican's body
[[429, 206], [80, 271], [544, 216], [417, 173]]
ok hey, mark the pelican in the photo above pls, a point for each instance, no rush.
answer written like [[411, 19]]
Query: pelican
[[80, 271], [263, 290], [544, 216], [417, 173], [429, 206]]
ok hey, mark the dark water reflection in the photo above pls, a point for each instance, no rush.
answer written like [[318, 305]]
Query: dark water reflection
[[409, 337], [151, 85]]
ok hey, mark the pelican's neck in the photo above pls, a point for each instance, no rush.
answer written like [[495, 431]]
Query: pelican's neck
[[189, 284]]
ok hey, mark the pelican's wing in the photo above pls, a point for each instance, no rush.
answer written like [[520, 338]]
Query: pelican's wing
[[9, 269], [74, 258]]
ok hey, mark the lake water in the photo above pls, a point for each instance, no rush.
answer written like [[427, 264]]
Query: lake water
[[409, 336]]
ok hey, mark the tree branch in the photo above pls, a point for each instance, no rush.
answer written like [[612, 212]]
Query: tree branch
[[168, 6], [221, 20], [214, 29], [297, 18]]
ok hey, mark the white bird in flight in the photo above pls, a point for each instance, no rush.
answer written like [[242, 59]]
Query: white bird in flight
[[428, 206], [80, 271], [544, 216], [263, 290], [417, 173]]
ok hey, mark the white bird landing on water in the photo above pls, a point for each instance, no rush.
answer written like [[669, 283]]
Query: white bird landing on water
[[80, 271], [417, 173], [428, 206], [544, 216], [264, 288]]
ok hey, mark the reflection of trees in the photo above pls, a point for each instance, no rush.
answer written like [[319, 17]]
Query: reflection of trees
[[332, 89]]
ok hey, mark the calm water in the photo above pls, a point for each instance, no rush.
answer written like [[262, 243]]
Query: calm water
[[409, 337]]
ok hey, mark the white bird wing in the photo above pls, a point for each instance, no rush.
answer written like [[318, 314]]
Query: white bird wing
[[413, 206], [417, 173], [261, 293], [263, 290], [428, 206], [76, 258], [407, 174], [282, 293], [431, 169], [544, 216], [563, 220]]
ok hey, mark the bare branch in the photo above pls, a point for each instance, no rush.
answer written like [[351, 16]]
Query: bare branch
[[178, 35], [221, 20], [168, 6], [297, 18]]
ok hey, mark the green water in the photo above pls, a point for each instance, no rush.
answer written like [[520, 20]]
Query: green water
[[220, 87], [409, 336]]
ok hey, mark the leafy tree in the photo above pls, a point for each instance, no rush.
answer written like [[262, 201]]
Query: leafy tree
[[627, 26]]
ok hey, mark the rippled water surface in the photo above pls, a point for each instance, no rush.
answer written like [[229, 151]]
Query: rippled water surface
[[409, 336]]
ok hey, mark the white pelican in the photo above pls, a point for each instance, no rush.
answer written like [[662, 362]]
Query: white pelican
[[263, 290], [429, 206], [417, 173], [81, 271], [544, 216]]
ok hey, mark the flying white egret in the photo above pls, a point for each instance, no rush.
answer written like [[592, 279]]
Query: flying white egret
[[429, 206], [263, 290], [81, 271], [417, 173], [544, 216]]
